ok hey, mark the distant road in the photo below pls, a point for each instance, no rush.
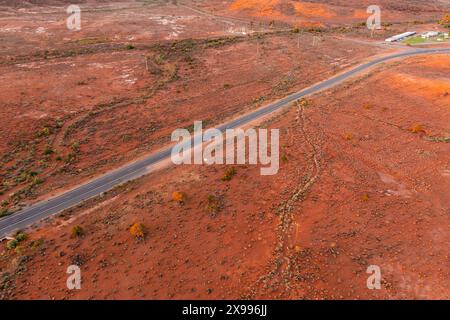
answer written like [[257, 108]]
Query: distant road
[[38, 211]]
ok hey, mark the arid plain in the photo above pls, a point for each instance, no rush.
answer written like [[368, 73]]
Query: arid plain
[[364, 173]]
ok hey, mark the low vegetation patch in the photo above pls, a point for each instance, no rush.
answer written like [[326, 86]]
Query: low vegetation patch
[[417, 128], [70, 158], [77, 232], [303, 103], [75, 146], [445, 21], [43, 132], [36, 243], [415, 40], [439, 139], [89, 41], [4, 212], [214, 204], [13, 243], [230, 172], [21, 237], [48, 151]]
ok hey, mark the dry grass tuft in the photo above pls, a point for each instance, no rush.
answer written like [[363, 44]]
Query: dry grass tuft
[[417, 128], [230, 172], [77, 232], [214, 204], [348, 136]]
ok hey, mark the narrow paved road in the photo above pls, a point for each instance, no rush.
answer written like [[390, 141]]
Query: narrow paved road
[[36, 212]]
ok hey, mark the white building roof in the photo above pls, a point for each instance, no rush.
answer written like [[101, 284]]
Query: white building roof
[[400, 36]]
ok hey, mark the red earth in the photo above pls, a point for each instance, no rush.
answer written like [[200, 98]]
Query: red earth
[[364, 174]]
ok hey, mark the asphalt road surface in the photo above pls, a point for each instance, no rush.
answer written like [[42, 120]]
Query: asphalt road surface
[[32, 214]]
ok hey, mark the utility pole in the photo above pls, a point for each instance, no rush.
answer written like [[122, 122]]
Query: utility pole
[[315, 39], [146, 62]]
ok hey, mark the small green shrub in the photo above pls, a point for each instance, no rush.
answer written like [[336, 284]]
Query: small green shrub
[[43, 132], [36, 181], [4, 212], [75, 146], [11, 244], [70, 158], [36, 243], [77, 231], [229, 174], [21, 237], [159, 59], [48, 151]]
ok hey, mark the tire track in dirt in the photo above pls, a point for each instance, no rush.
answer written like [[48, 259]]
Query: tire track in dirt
[[281, 267]]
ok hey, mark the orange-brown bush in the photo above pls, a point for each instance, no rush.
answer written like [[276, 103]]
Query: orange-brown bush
[[138, 230], [179, 197], [417, 128], [445, 21], [348, 136], [304, 103]]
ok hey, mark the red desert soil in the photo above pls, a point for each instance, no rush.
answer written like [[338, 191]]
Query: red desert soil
[[108, 99], [325, 12], [356, 188]]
